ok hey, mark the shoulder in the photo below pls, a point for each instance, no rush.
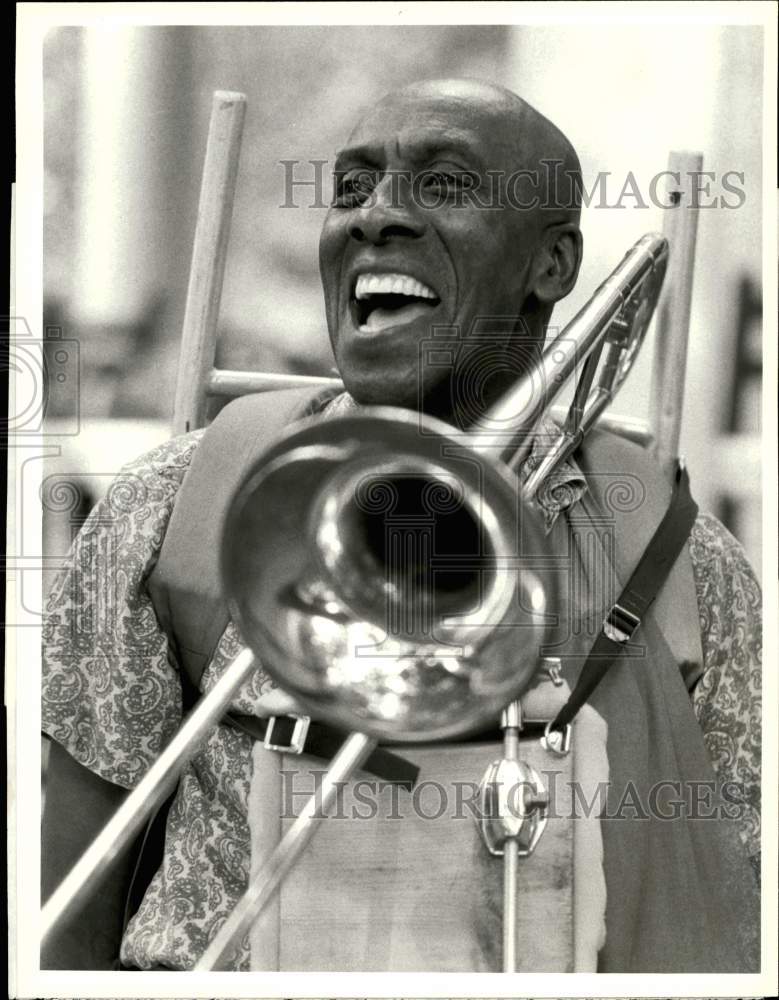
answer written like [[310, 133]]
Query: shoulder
[[623, 476], [127, 525], [148, 484], [727, 699], [729, 596], [168, 461], [715, 551], [110, 693]]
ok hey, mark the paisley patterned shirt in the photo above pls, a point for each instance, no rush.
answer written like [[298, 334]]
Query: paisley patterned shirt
[[112, 698]]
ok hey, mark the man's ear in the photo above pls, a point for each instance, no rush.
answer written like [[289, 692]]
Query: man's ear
[[557, 263]]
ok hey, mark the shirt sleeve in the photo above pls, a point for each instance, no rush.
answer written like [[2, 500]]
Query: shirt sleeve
[[727, 698], [110, 695]]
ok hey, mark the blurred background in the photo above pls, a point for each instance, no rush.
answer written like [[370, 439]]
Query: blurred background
[[126, 118]]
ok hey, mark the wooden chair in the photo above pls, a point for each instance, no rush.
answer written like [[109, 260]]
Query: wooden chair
[[198, 379]]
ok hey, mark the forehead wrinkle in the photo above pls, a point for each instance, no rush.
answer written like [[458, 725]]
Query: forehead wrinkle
[[417, 145], [422, 144]]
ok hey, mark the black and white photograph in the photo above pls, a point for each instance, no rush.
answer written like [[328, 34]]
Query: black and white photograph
[[392, 500]]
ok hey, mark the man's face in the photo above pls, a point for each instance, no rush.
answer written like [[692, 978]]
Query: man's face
[[405, 248]]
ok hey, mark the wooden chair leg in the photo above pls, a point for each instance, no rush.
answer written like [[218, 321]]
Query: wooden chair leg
[[673, 313], [217, 192]]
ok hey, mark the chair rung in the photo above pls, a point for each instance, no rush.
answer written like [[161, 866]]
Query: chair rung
[[222, 382]]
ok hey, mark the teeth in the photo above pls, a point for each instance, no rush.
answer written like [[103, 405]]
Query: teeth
[[391, 284]]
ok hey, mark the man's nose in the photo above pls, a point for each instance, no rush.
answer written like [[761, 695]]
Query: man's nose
[[388, 214]]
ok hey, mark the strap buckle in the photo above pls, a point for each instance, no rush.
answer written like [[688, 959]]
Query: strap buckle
[[620, 625], [557, 741], [297, 740]]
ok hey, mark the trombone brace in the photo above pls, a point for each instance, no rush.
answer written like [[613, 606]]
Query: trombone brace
[[512, 804]]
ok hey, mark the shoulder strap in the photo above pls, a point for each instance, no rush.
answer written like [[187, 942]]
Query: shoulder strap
[[642, 588], [626, 484], [185, 585]]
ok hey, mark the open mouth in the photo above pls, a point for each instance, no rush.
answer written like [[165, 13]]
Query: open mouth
[[381, 301]]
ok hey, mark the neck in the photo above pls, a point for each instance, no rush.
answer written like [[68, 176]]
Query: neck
[[485, 370]]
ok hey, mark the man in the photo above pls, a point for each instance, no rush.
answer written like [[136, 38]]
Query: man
[[408, 243]]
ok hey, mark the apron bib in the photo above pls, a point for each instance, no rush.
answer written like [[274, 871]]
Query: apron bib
[[399, 881]]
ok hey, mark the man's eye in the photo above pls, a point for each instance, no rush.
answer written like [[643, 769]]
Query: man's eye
[[440, 179], [354, 188], [446, 183], [437, 186]]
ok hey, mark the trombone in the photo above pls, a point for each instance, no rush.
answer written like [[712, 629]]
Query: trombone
[[484, 677], [337, 598]]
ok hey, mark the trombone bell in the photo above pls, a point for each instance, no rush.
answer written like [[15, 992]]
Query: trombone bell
[[380, 569]]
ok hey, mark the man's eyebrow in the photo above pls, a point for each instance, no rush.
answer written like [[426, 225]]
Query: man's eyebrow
[[423, 148], [418, 149], [357, 156]]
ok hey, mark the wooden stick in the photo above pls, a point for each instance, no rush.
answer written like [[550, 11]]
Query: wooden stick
[[673, 319], [221, 382], [217, 191]]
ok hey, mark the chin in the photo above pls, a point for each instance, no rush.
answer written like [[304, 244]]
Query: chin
[[375, 385], [380, 393]]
